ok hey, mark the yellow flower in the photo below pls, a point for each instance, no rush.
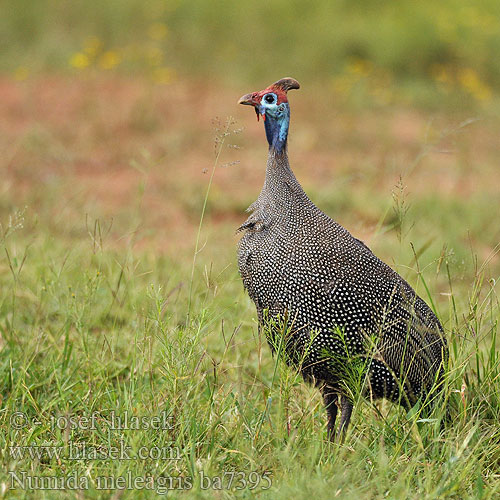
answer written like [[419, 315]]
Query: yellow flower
[[483, 94], [79, 60], [360, 67], [471, 82], [163, 76], [158, 31], [21, 73], [109, 60], [468, 78], [92, 46], [441, 74]]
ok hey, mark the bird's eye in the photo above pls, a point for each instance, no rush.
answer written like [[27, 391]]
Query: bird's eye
[[269, 98]]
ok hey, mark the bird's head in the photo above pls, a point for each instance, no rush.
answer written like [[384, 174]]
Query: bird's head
[[272, 104], [271, 101]]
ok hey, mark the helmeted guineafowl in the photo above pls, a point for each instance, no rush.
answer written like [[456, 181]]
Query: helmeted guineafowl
[[345, 310]]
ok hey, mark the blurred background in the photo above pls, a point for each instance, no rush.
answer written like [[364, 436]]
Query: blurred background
[[363, 49], [110, 109], [117, 117]]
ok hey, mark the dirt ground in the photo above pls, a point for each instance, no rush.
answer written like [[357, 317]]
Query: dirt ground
[[112, 147]]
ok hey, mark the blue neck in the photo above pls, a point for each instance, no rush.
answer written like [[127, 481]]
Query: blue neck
[[277, 128]]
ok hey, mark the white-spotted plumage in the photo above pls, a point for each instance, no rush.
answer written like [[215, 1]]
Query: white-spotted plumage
[[299, 264]]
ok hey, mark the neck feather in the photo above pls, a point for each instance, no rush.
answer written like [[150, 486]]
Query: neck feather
[[278, 172], [277, 130], [281, 193]]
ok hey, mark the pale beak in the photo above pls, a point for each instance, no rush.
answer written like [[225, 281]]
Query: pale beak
[[248, 99]]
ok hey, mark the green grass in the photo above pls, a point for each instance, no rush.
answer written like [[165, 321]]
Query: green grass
[[102, 308], [91, 325]]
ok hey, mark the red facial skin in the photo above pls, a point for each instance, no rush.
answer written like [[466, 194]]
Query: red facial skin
[[279, 88], [256, 97]]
